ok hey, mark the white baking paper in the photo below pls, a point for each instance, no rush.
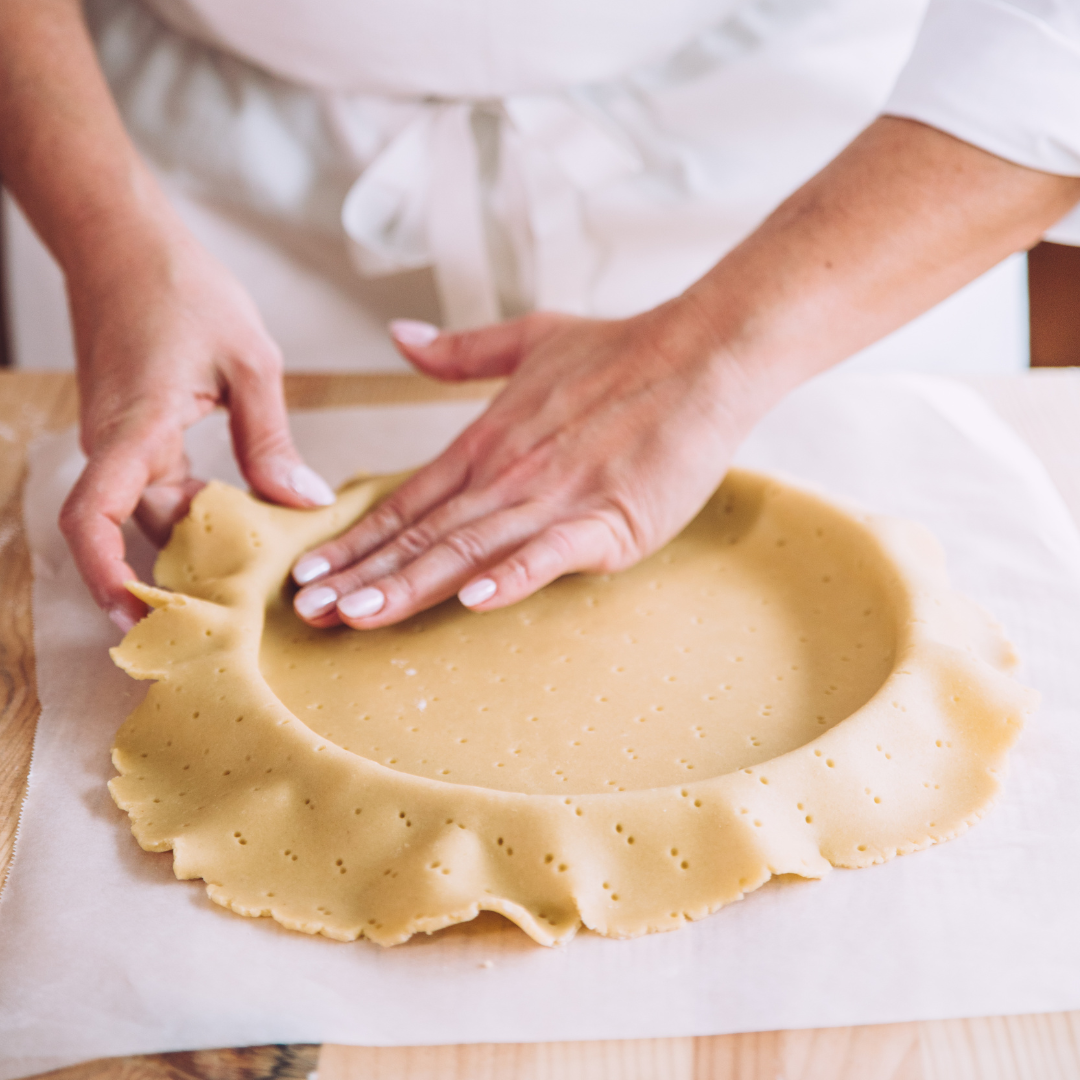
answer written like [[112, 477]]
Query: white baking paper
[[103, 953]]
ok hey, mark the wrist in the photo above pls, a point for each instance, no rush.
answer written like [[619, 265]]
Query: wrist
[[138, 234], [738, 378]]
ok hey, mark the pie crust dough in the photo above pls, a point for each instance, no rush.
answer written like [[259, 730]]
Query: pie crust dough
[[790, 685]]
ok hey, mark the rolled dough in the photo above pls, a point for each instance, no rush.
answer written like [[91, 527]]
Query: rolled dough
[[790, 685]]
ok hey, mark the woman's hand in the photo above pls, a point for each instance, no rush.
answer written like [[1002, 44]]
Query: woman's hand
[[162, 331], [608, 438], [164, 334], [610, 435]]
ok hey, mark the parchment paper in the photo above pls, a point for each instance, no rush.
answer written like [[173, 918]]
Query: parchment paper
[[103, 953]]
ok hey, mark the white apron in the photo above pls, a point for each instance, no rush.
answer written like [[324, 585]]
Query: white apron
[[592, 156]]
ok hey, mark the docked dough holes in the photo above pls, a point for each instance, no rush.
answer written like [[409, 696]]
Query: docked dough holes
[[789, 685]]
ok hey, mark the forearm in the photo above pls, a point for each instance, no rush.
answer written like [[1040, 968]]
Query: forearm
[[64, 153], [904, 217]]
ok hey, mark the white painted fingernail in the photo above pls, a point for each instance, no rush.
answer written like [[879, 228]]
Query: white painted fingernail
[[360, 604], [314, 602], [309, 568], [311, 486], [413, 332], [477, 592], [122, 619]]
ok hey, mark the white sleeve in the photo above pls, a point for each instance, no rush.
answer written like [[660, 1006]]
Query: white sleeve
[[1003, 75]]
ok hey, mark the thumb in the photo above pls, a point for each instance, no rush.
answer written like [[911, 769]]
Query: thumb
[[486, 353], [263, 443]]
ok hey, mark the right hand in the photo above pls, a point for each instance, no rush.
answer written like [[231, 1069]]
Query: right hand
[[164, 334]]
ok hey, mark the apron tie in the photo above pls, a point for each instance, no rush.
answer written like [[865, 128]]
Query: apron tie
[[433, 197]]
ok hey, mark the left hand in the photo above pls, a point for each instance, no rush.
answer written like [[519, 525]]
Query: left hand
[[607, 439]]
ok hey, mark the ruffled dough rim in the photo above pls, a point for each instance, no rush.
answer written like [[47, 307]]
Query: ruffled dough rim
[[280, 822]]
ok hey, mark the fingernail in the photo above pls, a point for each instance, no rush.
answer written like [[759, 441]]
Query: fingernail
[[413, 332], [362, 603], [311, 486], [476, 592], [309, 568], [314, 602], [122, 619]]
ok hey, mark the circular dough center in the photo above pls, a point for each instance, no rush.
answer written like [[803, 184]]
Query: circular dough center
[[759, 627]]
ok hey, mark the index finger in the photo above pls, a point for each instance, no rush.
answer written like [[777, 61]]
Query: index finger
[[104, 497], [433, 485]]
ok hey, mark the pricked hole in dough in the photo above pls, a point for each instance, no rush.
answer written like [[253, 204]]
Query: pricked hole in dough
[[697, 803], [830, 762], [563, 868], [809, 819], [607, 885], [684, 865], [614, 896], [500, 841], [629, 839], [862, 847], [549, 858], [757, 823]]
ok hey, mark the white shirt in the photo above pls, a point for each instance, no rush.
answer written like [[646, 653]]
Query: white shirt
[[1003, 75], [593, 156]]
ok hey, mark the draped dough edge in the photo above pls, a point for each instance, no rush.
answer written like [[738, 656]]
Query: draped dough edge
[[279, 821]]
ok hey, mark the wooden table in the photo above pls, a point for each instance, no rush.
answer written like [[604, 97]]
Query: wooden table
[[1043, 406]]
